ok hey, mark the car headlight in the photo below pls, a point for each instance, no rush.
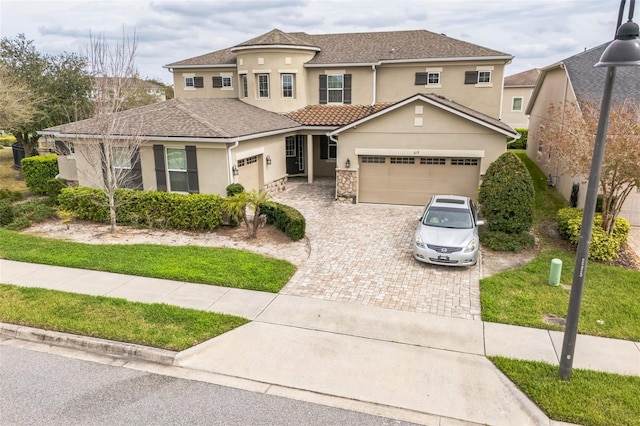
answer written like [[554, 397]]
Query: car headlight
[[470, 247], [419, 241]]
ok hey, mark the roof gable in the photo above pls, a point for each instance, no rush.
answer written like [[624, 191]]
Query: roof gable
[[523, 79], [444, 104]]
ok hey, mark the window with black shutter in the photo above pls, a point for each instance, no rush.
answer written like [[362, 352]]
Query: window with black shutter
[[136, 170], [347, 89], [323, 89], [192, 170], [217, 82], [161, 176], [198, 82], [470, 77], [421, 78]]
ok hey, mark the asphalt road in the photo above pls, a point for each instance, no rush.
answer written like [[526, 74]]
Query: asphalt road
[[45, 389]]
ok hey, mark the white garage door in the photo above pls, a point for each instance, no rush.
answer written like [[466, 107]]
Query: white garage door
[[631, 208], [249, 173], [413, 180]]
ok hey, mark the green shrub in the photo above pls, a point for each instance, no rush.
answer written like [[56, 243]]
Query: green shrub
[[603, 246], [6, 212], [18, 224], [35, 211], [54, 187], [522, 142], [507, 195], [155, 209], [38, 170], [285, 218], [234, 188], [7, 194], [500, 241], [7, 140]]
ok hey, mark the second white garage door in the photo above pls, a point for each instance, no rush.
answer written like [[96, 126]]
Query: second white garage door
[[413, 180], [249, 173]]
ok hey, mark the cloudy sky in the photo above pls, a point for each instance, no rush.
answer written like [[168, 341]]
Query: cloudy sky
[[537, 33]]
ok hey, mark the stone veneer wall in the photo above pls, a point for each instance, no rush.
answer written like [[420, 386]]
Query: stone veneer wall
[[277, 186], [347, 185]]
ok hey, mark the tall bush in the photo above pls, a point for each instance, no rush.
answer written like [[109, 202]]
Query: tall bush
[[507, 195], [37, 172], [520, 143]]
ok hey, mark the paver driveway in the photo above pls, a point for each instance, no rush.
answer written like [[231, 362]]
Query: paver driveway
[[362, 254]]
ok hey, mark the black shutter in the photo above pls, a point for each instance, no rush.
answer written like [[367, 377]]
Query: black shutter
[[421, 78], [323, 89], [192, 170], [62, 148], [198, 82], [324, 147], [217, 82], [136, 170], [470, 77], [161, 175], [347, 89]]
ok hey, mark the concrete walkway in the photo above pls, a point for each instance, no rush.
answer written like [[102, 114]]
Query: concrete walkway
[[416, 367]]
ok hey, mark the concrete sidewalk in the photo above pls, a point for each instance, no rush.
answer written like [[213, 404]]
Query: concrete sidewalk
[[431, 368]]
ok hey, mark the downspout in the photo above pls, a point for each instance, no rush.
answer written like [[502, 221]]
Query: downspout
[[331, 138], [375, 83], [230, 165]]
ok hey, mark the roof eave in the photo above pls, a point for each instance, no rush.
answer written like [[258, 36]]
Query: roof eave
[[275, 46], [171, 66]]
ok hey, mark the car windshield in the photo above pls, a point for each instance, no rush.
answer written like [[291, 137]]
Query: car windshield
[[448, 218]]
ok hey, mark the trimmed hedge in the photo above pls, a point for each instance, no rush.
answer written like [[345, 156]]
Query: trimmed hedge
[[234, 188], [6, 212], [157, 209], [603, 247], [522, 142], [37, 172], [507, 196], [285, 218]]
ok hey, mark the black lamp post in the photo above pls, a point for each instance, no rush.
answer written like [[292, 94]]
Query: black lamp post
[[623, 51]]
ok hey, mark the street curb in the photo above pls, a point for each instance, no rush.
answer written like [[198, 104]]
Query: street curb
[[91, 344]]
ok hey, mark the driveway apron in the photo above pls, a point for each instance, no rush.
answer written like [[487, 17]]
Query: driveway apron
[[361, 253]]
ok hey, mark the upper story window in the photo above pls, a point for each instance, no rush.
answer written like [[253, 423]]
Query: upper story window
[[245, 86], [516, 103], [263, 85], [429, 78], [287, 85], [223, 82], [478, 77], [192, 82], [335, 89], [433, 79]]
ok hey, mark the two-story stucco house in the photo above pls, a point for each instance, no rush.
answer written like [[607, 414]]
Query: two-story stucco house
[[394, 117], [518, 89], [575, 79]]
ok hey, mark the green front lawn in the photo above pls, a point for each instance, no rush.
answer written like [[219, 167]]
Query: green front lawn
[[157, 325], [590, 398], [205, 265]]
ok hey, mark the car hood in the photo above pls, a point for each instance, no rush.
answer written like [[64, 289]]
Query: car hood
[[445, 236]]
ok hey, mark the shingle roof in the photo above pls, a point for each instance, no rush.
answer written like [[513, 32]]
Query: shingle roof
[[333, 115], [190, 118], [524, 78], [588, 81], [354, 48]]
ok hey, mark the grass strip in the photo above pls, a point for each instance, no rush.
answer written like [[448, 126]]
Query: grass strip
[[157, 325], [610, 302], [205, 265], [590, 398]]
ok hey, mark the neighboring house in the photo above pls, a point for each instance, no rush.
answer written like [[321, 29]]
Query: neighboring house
[[394, 117], [517, 93], [148, 91], [570, 80]]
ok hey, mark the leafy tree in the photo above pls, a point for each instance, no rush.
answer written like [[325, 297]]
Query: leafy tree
[[55, 88], [17, 102], [567, 138], [507, 195]]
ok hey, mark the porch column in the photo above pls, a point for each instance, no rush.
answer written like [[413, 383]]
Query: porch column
[[309, 158]]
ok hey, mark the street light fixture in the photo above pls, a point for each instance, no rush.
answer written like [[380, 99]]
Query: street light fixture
[[623, 51]]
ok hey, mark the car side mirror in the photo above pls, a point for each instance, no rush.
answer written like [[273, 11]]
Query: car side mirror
[[479, 222], [419, 218]]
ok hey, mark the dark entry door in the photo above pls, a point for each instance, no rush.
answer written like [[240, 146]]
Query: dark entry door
[[295, 152]]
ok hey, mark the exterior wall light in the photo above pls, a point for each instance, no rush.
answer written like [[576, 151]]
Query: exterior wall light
[[268, 160], [234, 169], [347, 163]]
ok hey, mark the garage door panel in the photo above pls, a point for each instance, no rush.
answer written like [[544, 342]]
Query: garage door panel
[[415, 184], [249, 173]]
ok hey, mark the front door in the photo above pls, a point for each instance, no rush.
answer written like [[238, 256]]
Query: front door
[[295, 152]]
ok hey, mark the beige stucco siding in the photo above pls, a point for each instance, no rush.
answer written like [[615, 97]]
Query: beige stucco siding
[[361, 83], [272, 146], [208, 91], [440, 131], [395, 82], [516, 119]]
